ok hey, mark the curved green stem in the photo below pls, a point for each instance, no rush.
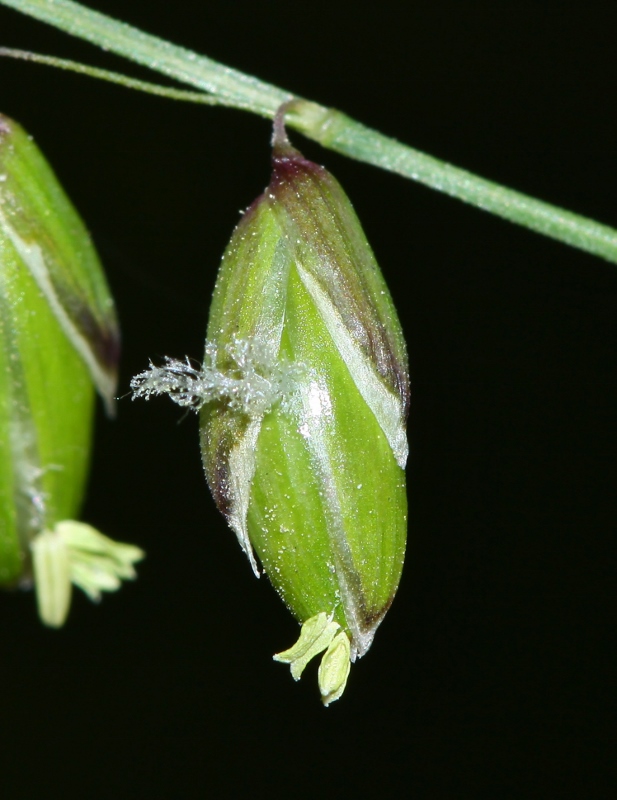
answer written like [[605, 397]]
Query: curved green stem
[[329, 127]]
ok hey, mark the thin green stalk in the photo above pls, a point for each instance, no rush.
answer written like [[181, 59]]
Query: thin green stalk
[[184, 65], [117, 78], [329, 127]]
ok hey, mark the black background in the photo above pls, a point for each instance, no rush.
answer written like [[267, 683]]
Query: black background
[[494, 672]]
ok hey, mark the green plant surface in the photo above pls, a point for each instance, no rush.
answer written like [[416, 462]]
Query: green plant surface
[[329, 127]]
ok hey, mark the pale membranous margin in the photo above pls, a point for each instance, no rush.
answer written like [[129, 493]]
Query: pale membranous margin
[[32, 257], [251, 387]]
